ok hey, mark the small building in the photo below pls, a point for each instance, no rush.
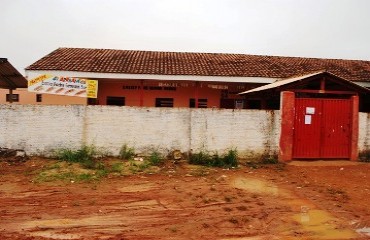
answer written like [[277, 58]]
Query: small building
[[319, 115], [174, 79], [10, 79]]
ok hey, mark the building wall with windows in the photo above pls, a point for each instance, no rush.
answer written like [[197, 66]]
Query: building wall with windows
[[157, 93], [22, 96]]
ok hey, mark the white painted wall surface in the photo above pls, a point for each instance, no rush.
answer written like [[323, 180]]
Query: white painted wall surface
[[364, 132], [40, 129]]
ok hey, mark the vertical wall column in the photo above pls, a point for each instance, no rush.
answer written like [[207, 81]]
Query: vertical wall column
[[141, 93], [196, 94], [287, 126], [355, 122], [10, 95]]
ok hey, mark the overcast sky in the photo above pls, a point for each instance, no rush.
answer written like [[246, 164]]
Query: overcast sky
[[31, 29]]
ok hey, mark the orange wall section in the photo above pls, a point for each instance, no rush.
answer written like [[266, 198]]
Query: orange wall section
[[26, 97], [135, 95], [182, 95]]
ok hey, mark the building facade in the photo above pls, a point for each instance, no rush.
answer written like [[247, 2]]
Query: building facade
[[174, 79]]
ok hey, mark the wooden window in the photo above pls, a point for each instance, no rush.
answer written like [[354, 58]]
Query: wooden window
[[116, 101], [202, 103], [254, 104], [164, 102], [15, 97], [38, 97]]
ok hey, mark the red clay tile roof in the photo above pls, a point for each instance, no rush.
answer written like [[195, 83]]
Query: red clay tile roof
[[201, 64], [10, 78]]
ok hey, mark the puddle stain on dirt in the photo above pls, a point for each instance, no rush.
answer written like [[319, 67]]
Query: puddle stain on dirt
[[73, 223], [256, 186], [53, 235], [137, 188], [364, 231], [108, 225], [322, 225], [319, 224], [255, 238], [9, 188], [55, 228]]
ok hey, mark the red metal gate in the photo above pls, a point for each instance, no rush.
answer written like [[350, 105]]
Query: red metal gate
[[322, 128]]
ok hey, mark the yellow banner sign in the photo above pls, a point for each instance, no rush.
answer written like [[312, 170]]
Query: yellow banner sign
[[92, 88], [68, 86]]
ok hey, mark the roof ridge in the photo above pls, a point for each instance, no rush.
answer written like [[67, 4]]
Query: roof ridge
[[216, 53], [195, 63]]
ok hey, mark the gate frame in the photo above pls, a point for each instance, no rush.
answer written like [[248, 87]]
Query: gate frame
[[287, 109]]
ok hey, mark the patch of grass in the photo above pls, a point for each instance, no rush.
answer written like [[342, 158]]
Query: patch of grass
[[201, 158], [53, 166], [156, 158], [230, 159], [117, 167], [100, 173], [86, 156], [69, 176], [126, 152], [138, 166]]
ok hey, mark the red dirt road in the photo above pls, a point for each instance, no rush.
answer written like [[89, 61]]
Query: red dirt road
[[187, 202]]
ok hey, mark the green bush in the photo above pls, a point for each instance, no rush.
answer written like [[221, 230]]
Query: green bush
[[156, 158], [117, 167], [87, 156], [201, 158], [126, 152], [230, 159]]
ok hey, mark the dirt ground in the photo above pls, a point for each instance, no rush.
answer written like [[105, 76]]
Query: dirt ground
[[312, 200]]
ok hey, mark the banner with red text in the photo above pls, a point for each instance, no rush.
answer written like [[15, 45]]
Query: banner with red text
[[68, 86]]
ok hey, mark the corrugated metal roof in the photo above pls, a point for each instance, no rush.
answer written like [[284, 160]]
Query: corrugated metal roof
[[10, 78], [195, 64], [283, 82]]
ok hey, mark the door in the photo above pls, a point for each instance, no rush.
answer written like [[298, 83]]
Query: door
[[322, 128]]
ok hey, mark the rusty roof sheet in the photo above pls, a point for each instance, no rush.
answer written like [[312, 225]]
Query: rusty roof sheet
[[10, 78], [201, 64]]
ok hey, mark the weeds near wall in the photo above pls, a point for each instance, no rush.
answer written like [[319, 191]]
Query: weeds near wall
[[264, 159], [126, 152], [84, 164], [269, 159], [86, 156], [117, 167], [364, 156], [156, 158], [88, 164], [230, 159]]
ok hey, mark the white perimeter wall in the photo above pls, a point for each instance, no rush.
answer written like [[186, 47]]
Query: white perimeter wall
[[40, 129], [364, 132]]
